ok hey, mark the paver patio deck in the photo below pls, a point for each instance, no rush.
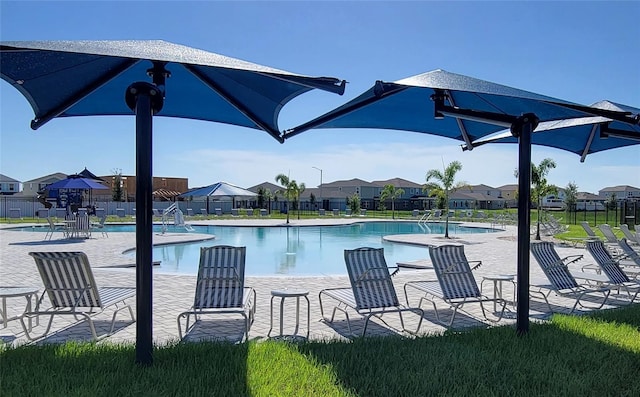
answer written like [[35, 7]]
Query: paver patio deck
[[173, 293]]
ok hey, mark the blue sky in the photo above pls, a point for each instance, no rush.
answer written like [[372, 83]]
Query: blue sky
[[578, 51]]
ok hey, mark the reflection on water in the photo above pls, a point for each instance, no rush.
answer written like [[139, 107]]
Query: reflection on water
[[311, 250], [294, 246]]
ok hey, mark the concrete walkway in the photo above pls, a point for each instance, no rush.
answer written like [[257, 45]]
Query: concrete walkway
[[173, 293]]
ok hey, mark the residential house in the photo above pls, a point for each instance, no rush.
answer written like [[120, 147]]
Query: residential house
[[412, 198], [337, 193], [272, 198], [476, 197], [621, 192], [555, 201], [8, 186], [589, 202], [510, 195], [31, 187]]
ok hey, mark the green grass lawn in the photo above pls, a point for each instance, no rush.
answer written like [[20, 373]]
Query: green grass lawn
[[591, 355], [576, 232]]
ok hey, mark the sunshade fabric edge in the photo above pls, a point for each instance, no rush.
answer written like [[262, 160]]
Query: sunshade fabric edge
[[158, 50], [486, 96]]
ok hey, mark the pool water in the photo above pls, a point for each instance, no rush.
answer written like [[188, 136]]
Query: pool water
[[299, 251]]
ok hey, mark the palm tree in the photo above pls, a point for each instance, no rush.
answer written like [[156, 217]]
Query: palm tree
[[389, 192], [291, 192], [283, 180], [298, 190], [446, 181], [540, 186]]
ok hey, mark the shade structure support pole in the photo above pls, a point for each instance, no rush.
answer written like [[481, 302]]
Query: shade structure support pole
[[145, 99], [522, 129]]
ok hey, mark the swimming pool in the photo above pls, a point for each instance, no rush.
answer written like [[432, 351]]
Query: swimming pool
[[299, 251]]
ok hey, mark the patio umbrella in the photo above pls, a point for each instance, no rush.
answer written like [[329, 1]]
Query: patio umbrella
[[220, 189], [581, 136], [76, 182], [82, 78], [473, 108]]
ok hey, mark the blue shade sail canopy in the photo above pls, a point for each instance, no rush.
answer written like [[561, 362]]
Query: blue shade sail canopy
[[148, 78], [76, 183], [82, 78], [220, 189], [581, 136], [407, 105], [467, 109]]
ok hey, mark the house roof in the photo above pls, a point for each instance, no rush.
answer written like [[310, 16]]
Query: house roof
[[397, 182], [513, 186], [355, 182], [588, 196], [265, 185], [479, 187], [477, 196], [6, 179], [620, 188], [48, 178]]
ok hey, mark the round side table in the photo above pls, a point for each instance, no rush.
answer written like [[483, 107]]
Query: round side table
[[17, 292], [290, 293], [497, 281]]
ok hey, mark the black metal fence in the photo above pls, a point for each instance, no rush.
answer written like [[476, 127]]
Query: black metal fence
[[625, 212]]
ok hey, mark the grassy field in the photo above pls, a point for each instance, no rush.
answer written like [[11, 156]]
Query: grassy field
[[596, 355]]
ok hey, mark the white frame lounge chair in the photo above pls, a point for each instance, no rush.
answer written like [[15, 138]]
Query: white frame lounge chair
[[455, 284], [372, 292], [628, 259], [618, 279], [628, 253], [609, 236], [220, 287], [100, 225], [54, 228], [563, 282], [631, 239], [590, 233], [69, 283]]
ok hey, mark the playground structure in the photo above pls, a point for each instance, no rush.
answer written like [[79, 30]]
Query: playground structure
[[174, 213]]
